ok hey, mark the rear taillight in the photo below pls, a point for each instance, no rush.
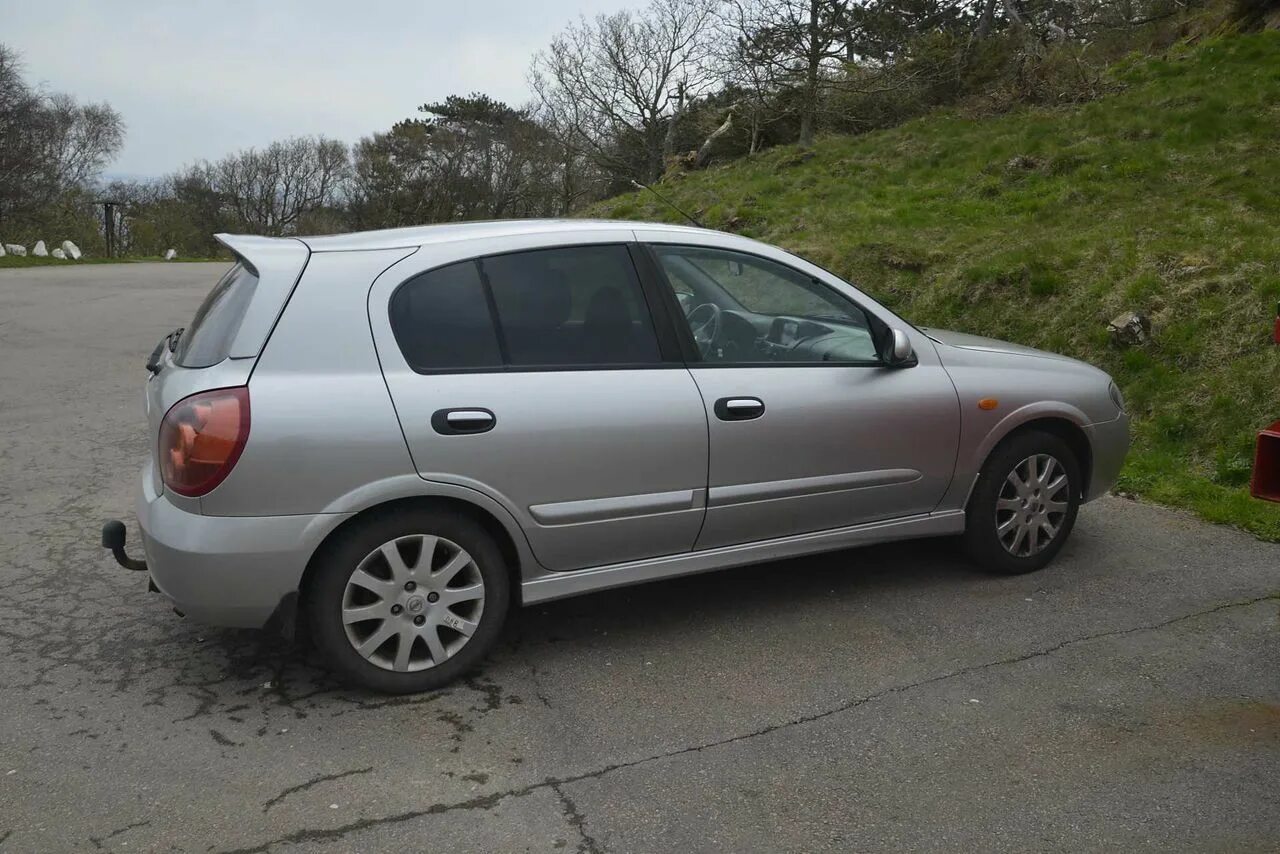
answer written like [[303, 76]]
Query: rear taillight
[[201, 438]]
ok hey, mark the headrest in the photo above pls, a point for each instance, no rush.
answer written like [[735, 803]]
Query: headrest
[[545, 300], [608, 308]]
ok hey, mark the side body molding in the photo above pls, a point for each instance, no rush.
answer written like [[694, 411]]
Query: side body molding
[[719, 496], [556, 585]]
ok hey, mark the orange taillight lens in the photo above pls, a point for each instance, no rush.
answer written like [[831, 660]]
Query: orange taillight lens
[[201, 438]]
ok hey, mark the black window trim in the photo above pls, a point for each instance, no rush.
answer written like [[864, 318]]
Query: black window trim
[[499, 334], [669, 352], [693, 357], [680, 346]]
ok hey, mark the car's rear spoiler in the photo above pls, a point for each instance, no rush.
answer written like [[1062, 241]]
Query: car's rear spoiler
[[278, 263]]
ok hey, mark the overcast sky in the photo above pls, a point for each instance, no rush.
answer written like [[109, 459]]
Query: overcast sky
[[198, 79]]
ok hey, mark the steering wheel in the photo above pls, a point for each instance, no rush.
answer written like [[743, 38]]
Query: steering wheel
[[706, 331]]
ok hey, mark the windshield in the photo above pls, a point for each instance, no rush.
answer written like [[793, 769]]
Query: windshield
[[207, 340]]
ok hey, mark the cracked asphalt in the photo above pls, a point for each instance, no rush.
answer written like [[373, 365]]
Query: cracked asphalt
[[889, 698]]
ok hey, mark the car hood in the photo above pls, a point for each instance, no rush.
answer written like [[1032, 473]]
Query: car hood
[[990, 345]]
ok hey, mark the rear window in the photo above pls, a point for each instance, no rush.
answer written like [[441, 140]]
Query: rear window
[[207, 341]]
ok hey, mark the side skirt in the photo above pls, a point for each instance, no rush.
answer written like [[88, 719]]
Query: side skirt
[[562, 584]]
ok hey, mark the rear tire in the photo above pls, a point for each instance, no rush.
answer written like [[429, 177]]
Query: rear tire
[[1023, 505], [408, 600]]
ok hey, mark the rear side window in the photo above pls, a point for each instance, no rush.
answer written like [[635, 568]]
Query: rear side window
[[207, 341], [441, 320], [576, 306]]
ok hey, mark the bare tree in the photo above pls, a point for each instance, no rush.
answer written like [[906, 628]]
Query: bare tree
[[471, 157], [703, 155], [798, 53], [616, 83], [49, 143], [794, 45], [736, 21], [19, 148], [78, 140], [269, 190]]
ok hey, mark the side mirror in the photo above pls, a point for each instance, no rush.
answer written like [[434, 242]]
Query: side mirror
[[901, 353]]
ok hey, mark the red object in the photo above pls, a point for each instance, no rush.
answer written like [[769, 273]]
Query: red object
[[1266, 465], [201, 439]]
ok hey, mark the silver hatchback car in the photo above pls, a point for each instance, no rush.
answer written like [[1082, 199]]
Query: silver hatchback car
[[392, 437]]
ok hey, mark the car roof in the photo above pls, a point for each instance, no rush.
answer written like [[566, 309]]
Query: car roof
[[394, 238]]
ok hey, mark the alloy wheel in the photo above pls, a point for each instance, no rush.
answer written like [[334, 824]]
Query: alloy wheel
[[1032, 505], [413, 603]]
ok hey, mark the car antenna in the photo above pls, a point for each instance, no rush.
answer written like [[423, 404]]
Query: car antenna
[[668, 202]]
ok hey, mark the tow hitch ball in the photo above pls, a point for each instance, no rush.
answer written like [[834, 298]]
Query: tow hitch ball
[[113, 537]]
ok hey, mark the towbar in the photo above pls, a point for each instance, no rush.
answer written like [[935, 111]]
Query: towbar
[[113, 537]]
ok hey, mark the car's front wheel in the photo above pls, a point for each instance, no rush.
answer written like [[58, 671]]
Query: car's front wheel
[[1024, 504], [408, 600]]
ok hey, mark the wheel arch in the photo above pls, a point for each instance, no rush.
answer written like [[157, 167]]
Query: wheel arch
[[1077, 440], [1055, 425], [493, 526]]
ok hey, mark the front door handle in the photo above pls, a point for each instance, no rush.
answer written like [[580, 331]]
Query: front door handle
[[455, 422], [739, 408]]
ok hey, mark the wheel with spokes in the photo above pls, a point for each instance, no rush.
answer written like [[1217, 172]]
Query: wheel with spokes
[[1024, 504], [409, 600]]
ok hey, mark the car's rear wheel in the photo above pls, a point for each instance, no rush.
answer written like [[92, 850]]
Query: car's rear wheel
[[1024, 504], [408, 600]]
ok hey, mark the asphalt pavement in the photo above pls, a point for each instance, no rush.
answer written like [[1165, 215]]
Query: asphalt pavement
[[1128, 697]]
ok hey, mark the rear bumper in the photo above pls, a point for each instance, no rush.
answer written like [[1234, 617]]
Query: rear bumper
[[226, 570], [1110, 443]]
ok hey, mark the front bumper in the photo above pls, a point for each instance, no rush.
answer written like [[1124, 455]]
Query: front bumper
[[1110, 443], [226, 570]]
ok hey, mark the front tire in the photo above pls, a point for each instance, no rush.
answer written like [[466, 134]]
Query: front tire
[[408, 600], [1024, 504]]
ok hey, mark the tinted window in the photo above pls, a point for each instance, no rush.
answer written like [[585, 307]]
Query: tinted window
[[207, 341], [574, 306], [441, 320]]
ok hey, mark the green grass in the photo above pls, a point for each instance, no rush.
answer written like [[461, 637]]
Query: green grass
[[1041, 225], [31, 261]]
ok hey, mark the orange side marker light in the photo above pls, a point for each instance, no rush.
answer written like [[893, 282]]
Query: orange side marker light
[[988, 403]]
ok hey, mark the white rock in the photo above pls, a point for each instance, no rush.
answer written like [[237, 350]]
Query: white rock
[[39, 251], [59, 254], [170, 254], [72, 251], [15, 249], [2, 253]]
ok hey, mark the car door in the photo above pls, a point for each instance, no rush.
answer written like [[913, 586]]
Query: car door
[[534, 373], [809, 428]]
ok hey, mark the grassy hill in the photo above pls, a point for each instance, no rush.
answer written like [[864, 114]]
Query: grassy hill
[[1041, 225]]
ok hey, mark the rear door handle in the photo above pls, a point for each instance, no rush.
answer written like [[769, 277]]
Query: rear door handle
[[739, 408], [455, 422]]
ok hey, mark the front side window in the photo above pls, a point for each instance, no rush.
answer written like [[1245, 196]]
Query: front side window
[[565, 307], [743, 309]]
